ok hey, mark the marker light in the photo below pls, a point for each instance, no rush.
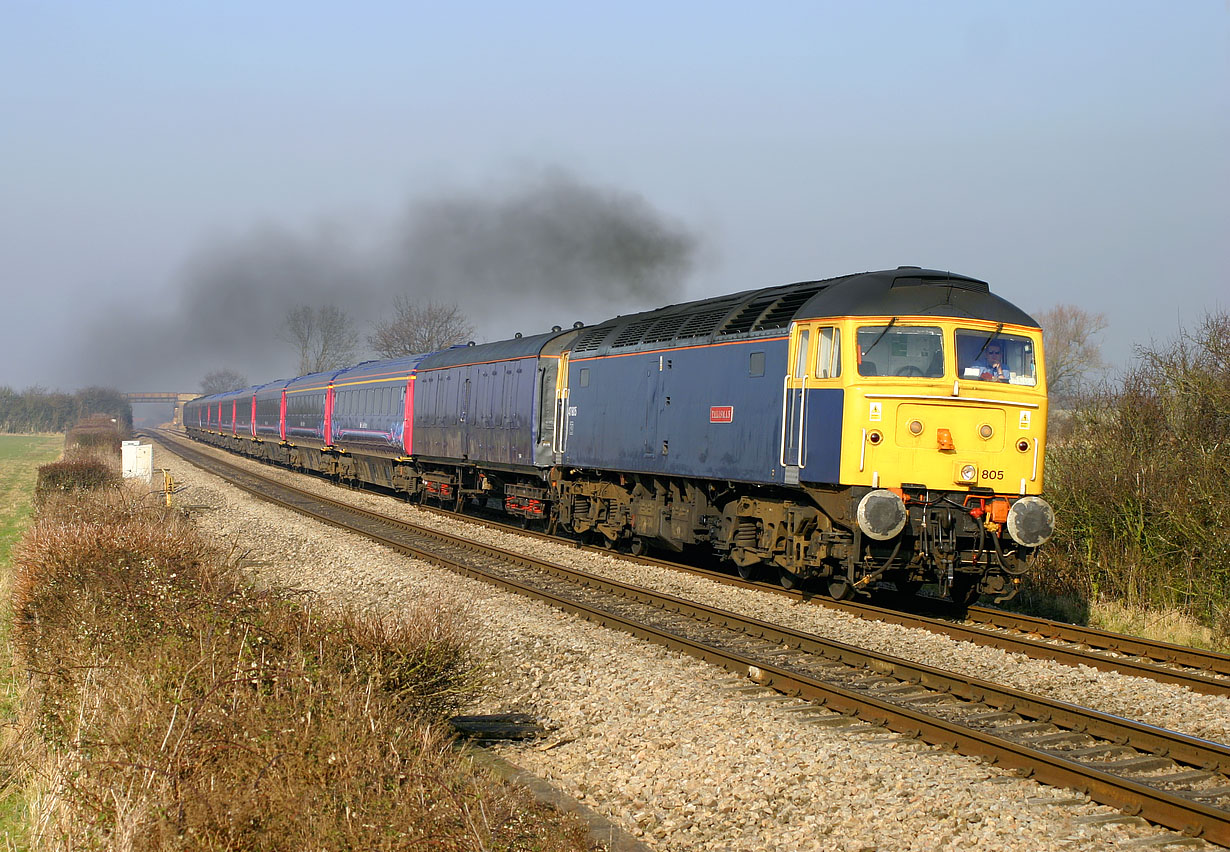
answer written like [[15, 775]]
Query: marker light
[[874, 437], [945, 439], [1023, 445]]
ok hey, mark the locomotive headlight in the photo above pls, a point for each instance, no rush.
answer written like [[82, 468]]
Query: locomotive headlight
[[881, 514], [985, 431], [1031, 521], [968, 473], [916, 427]]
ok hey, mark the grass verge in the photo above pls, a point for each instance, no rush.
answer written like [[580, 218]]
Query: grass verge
[[167, 703], [20, 458]]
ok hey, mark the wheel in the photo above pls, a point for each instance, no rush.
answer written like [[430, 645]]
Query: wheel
[[907, 588], [840, 589], [910, 370], [748, 573], [788, 579], [608, 543], [638, 547], [964, 590]]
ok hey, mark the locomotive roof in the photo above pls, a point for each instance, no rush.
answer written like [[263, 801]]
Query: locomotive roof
[[769, 311]]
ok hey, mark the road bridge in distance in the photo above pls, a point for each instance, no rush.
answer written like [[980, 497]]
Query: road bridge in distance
[[172, 397]]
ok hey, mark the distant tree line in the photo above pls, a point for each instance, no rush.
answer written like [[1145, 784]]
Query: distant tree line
[[40, 410]]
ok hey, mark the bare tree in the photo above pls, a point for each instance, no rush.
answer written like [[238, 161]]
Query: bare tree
[[325, 337], [220, 381], [416, 328], [1073, 356]]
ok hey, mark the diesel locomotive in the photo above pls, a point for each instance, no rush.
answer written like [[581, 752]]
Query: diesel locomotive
[[869, 432]]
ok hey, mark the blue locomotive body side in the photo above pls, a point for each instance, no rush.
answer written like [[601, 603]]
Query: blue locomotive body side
[[709, 411]]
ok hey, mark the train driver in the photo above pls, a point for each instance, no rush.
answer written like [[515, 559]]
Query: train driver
[[990, 365]]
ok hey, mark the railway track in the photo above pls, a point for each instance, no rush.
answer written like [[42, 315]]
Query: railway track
[[1172, 779], [1206, 672]]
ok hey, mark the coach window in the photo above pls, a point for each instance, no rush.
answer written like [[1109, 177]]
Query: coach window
[[828, 353]]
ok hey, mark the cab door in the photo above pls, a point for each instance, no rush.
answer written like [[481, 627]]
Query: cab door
[[793, 455], [562, 424]]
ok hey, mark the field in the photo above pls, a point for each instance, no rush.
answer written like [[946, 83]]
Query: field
[[20, 456]]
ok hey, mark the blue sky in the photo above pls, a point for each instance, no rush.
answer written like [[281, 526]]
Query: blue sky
[[1065, 152]]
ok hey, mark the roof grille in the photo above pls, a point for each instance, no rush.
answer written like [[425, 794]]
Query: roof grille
[[700, 325], [591, 339], [664, 329], [784, 309], [958, 281], [746, 318], [631, 335]]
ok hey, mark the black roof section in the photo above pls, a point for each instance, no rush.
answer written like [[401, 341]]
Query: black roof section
[[501, 350], [911, 291], [906, 291]]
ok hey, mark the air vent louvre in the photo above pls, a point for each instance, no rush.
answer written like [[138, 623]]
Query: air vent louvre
[[591, 339], [780, 314], [664, 329], [631, 335], [746, 318], [703, 324]]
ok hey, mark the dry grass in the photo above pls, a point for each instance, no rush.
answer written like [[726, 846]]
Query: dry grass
[[171, 705], [1166, 625]]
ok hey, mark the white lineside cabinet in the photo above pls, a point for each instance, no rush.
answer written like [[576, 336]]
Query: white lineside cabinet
[[137, 460]]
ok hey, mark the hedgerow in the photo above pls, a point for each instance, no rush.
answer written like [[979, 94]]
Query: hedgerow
[[1140, 485]]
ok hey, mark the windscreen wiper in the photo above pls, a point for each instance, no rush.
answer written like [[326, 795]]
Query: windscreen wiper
[[998, 329], [891, 323]]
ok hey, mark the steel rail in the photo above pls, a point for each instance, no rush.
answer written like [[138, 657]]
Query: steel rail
[[1105, 640], [1167, 807]]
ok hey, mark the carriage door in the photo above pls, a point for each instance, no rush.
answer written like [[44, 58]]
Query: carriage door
[[794, 403]]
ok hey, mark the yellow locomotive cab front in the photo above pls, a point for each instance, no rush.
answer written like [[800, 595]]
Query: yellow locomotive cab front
[[927, 409], [943, 435]]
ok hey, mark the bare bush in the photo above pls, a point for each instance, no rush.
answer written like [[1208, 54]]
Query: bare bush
[[324, 337], [1139, 489], [1073, 356], [415, 329], [79, 473], [221, 381]]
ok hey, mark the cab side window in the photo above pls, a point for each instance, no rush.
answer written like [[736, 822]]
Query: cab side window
[[828, 353], [800, 356]]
